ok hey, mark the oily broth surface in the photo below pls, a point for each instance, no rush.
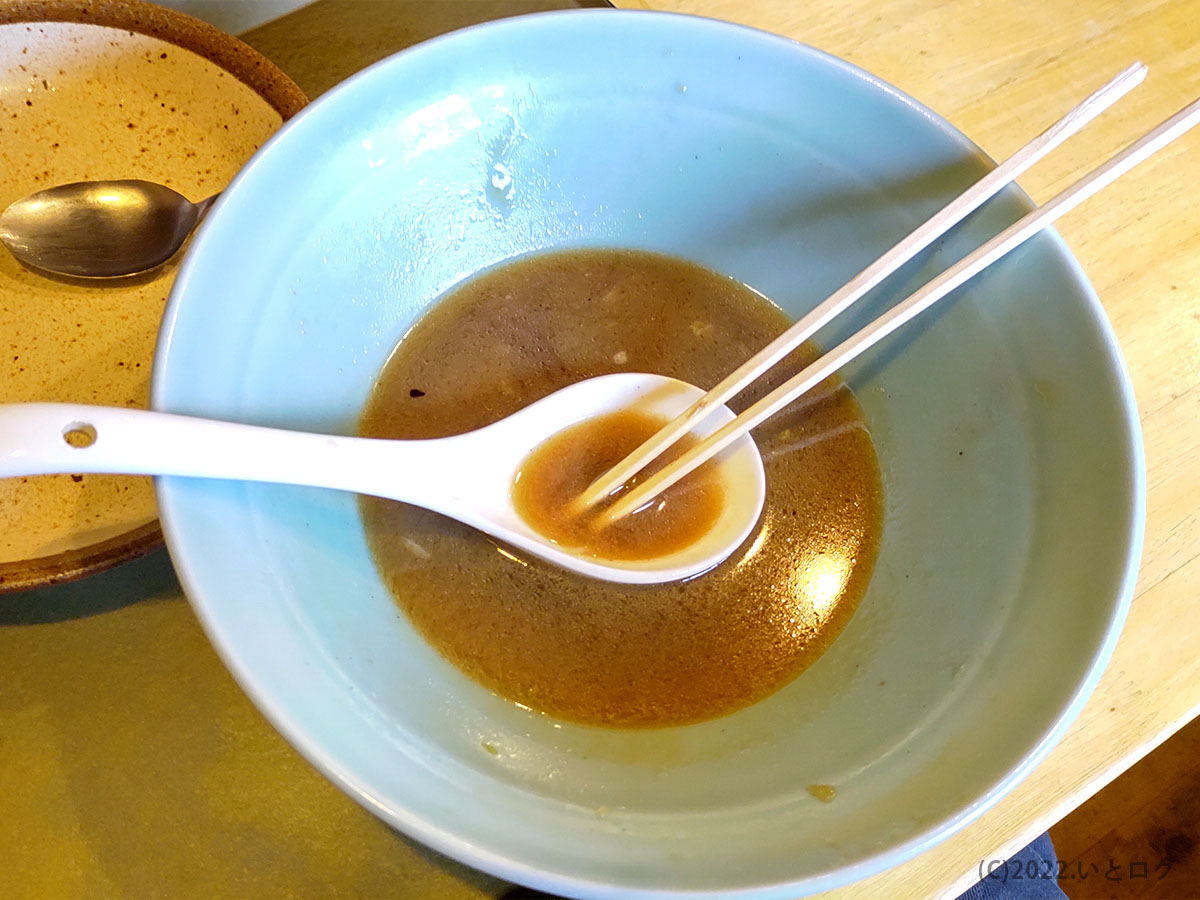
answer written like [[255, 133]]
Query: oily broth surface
[[601, 653]]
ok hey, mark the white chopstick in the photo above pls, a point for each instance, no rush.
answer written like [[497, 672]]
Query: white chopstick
[[872, 275], [1009, 239]]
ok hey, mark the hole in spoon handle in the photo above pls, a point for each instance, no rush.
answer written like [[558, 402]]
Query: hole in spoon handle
[[79, 435]]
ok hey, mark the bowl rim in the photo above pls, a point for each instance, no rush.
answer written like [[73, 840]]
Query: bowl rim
[[495, 863], [185, 31]]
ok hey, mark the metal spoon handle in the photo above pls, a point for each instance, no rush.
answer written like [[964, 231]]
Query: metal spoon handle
[[45, 438], [203, 206]]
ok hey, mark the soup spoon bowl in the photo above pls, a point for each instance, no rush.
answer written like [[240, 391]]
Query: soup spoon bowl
[[467, 476]]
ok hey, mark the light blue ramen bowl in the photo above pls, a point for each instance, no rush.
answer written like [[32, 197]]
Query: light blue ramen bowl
[[1004, 422]]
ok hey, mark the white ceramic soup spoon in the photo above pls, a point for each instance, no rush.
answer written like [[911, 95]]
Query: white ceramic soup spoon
[[467, 477]]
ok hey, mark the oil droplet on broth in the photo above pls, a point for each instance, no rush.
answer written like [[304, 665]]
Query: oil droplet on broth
[[560, 468]]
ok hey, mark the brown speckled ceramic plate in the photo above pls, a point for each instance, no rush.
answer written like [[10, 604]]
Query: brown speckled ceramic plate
[[89, 90]]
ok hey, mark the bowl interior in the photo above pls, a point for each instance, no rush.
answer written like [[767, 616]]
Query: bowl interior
[[1002, 419]]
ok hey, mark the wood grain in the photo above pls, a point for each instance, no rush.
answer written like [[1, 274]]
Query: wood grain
[[1000, 70], [1140, 836]]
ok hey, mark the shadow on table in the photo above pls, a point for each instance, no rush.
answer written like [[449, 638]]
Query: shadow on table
[[143, 579], [524, 893]]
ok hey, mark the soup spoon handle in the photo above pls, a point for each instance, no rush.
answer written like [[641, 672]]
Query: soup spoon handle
[[468, 477], [46, 438]]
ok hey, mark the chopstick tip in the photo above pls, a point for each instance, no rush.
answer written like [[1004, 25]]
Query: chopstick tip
[[1136, 71]]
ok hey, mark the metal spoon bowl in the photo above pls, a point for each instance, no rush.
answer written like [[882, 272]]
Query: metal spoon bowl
[[100, 229]]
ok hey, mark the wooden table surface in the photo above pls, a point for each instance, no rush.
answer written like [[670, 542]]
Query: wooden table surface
[[1001, 70], [115, 782]]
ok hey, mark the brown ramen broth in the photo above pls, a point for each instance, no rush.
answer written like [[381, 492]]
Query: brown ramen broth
[[561, 468], [590, 651]]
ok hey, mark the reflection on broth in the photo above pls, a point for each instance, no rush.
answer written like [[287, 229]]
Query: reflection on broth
[[603, 653]]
